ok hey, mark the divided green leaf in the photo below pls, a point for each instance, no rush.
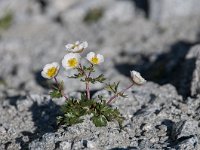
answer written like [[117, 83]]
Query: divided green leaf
[[99, 121], [112, 87], [74, 110], [55, 94]]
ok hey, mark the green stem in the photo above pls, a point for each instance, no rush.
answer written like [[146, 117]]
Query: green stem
[[87, 82], [88, 90], [61, 91], [121, 92]]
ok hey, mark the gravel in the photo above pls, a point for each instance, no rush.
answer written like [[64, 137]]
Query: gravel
[[162, 114]]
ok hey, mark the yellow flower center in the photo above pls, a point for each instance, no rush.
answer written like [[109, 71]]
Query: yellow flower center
[[95, 60], [72, 62], [52, 72], [74, 46]]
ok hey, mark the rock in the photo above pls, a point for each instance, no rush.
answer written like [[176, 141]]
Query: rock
[[184, 129], [36, 145], [170, 10], [128, 40], [2, 130], [119, 12], [47, 142], [188, 144], [22, 11], [65, 145], [193, 59], [151, 132], [55, 8], [91, 145]]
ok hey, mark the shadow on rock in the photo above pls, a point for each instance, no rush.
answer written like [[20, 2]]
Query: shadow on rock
[[44, 118], [142, 5], [13, 99], [128, 148], [46, 84], [174, 132], [171, 67]]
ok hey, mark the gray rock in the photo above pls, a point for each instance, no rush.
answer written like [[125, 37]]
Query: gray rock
[[184, 130], [2, 130], [170, 10], [188, 144], [113, 13], [37, 36], [91, 145], [148, 132], [49, 140], [194, 58], [190, 128], [65, 145]]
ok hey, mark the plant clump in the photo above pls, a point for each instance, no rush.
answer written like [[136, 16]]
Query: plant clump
[[6, 21], [74, 109], [93, 15]]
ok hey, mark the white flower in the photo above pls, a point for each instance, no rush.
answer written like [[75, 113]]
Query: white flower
[[76, 47], [95, 58], [50, 70], [137, 78], [71, 60]]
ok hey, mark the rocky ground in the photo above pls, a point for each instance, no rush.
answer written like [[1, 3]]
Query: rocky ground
[[162, 114]]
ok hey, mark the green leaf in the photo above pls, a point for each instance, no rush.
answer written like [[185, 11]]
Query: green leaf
[[100, 97], [6, 20], [76, 76], [112, 87], [83, 96], [100, 78], [93, 15], [90, 68], [55, 94], [116, 85], [59, 120], [99, 121], [74, 109]]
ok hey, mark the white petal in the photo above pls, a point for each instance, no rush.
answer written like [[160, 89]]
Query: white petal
[[80, 47], [77, 56], [67, 57], [84, 44], [64, 63], [77, 42], [90, 55], [100, 57], [56, 65], [76, 49], [69, 46], [65, 60], [66, 66], [46, 67], [70, 55], [44, 75], [137, 78]]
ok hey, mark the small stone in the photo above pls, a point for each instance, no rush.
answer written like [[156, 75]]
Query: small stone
[[154, 140], [2, 130], [147, 127], [65, 145], [188, 144], [91, 144], [169, 10], [25, 138], [189, 128], [193, 58]]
